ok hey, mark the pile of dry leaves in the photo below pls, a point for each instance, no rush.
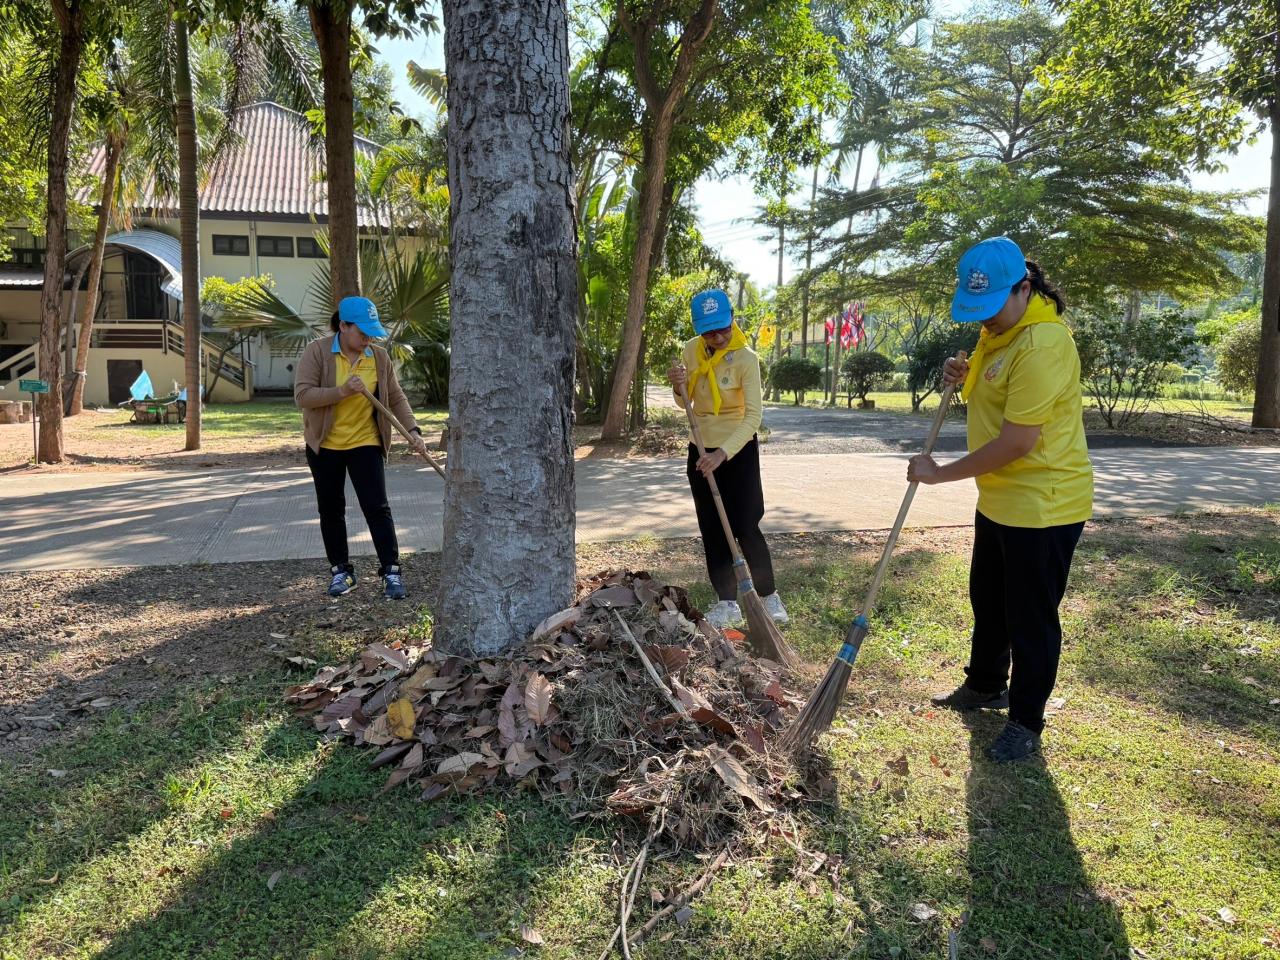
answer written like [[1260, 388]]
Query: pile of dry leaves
[[627, 703]]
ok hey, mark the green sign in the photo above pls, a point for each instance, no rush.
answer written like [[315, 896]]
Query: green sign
[[33, 386]]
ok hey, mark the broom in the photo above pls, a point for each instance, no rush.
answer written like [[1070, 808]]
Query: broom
[[403, 432], [765, 638], [820, 709]]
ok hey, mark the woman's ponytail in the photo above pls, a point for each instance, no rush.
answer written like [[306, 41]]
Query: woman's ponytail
[[1043, 286]]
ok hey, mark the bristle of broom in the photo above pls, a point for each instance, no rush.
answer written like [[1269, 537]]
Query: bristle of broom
[[820, 709], [763, 635]]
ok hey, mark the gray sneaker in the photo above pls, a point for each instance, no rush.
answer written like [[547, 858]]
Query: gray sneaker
[[1015, 743], [965, 697]]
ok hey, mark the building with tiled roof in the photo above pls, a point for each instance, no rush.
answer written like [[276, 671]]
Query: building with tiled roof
[[263, 210]]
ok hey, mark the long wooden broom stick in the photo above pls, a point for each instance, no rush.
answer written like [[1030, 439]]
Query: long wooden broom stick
[[403, 432], [765, 637], [820, 710]]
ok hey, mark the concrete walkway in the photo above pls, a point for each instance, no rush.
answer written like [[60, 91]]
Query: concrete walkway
[[60, 521]]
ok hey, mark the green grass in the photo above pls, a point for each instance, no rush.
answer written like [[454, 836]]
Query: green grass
[[1158, 806], [262, 418]]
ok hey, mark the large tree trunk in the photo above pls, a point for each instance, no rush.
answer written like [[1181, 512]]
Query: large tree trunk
[[509, 503], [331, 24], [114, 150], [657, 142], [70, 19], [188, 230], [1266, 401]]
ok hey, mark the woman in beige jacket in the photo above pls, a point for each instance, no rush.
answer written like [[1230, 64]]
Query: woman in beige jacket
[[346, 436]]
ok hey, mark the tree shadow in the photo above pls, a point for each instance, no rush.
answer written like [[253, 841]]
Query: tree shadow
[[1030, 894], [1183, 610], [337, 852]]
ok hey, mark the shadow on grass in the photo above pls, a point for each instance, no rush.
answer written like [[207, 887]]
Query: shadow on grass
[[1030, 895], [1183, 611], [451, 877]]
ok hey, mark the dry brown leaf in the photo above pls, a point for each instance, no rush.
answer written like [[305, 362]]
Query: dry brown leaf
[[610, 597], [899, 766], [556, 622], [987, 944], [506, 726], [531, 935], [737, 779], [458, 765], [537, 698], [400, 718]]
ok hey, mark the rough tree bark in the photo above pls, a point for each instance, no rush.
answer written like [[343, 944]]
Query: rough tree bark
[[661, 102], [1266, 401], [331, 24], [114, 151], [69, 15], [188, 224], [509, 502]]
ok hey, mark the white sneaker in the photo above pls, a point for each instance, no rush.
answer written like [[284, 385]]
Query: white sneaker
[[726, 613], [773, 606]]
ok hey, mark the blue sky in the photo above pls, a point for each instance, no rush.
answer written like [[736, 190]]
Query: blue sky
[[722, 204]]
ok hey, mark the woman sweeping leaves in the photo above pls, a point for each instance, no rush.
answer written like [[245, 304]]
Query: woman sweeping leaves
[[1028, 456], [346, 437], [722, 376]]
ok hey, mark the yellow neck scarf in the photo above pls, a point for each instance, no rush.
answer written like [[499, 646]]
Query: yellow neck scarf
[[707, 365], [1039, 310]]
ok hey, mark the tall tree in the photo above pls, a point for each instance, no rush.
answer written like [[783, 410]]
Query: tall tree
[[715, 79], [331, 22], [509, 503], [985, 150], [75, 22], [1197, 68]]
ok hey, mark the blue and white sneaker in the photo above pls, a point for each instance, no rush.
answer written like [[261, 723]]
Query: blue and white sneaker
[[392, 583], [344, 581]]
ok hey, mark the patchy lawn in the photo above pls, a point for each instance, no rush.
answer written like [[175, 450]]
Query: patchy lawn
[[164, 804], [268, 432]]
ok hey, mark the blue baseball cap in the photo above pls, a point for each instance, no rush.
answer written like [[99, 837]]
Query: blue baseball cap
[[710, 310], [985, 277], [361, 312]]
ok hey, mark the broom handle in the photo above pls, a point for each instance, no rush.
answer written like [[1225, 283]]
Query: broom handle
[[403, 432], [739, 562], [930, 440]]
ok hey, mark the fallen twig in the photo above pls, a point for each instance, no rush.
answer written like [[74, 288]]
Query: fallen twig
[[682, 900], [653, 673]]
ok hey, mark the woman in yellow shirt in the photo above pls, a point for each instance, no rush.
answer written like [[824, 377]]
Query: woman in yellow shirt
[[1028, 455], [725, 389], [346, 436]]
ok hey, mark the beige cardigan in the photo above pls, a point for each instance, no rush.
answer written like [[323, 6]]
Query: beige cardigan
[[316, 392]]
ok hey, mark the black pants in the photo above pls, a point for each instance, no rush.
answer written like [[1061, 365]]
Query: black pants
[[739, 481], [1016, 582], [329, 470]]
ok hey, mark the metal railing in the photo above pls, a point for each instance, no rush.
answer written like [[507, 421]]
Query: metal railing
[[125, 334]]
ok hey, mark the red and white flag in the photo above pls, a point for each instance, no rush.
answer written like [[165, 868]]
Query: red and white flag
[[830, 327], [846, 328]]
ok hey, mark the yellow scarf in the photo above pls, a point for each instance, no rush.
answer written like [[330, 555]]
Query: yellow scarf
[[1039, 310], [707, 365]]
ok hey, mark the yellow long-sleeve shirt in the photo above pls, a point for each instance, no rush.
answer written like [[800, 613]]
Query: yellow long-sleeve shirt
[[738, 376]]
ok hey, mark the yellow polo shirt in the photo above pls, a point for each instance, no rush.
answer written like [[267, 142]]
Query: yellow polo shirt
[[353, 423], [741, 408], [1034, 380]]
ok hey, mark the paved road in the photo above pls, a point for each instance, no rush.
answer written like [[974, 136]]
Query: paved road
[[59, 521]]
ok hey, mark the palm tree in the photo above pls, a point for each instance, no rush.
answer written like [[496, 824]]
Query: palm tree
[[254, 52], [410, 289]]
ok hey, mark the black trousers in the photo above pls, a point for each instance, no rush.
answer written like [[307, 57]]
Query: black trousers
[[329, 470], [1016, 582], [739, 481]]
